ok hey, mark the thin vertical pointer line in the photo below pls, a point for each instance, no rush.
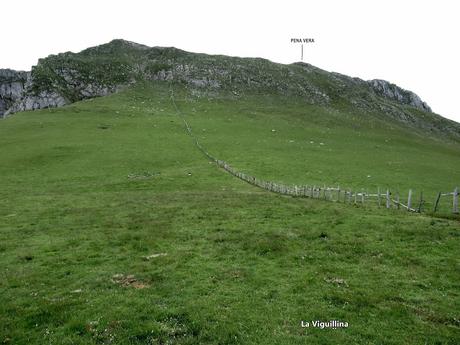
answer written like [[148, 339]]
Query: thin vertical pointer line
[[301, 54]]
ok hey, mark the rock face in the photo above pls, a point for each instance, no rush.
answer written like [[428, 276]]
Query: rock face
[[41, 100], [398, 94], [16, 93], [12, 88]]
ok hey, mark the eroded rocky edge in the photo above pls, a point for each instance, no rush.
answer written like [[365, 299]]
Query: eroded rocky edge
[[17, 94]]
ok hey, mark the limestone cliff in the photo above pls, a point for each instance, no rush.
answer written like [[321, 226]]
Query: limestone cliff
[[398, 94], [16, 93]]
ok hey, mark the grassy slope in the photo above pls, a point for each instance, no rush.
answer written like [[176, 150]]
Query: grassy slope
[[286, 140], [243, 265]]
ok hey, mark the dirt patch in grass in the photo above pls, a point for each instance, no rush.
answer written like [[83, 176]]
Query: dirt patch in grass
[[129, 281]]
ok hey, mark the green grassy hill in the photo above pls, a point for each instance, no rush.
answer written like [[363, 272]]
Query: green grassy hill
[[101, 70], [116, 229]]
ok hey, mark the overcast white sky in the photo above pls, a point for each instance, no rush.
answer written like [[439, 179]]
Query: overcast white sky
[[411, 43]]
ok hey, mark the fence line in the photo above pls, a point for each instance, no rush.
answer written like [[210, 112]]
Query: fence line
[[327, 193]]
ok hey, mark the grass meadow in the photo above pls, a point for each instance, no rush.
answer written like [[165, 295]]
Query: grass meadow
[[115, 229]]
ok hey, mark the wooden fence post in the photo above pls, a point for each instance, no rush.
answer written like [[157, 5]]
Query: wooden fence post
[[397, 201], [338, 193], [378, 196], [436, 203], [420, 203], [455, 201], [409, 200], [388, 198], [362, 196]]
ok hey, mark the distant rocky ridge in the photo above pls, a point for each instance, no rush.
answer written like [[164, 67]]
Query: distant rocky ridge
[[398, 94], [98, 71]]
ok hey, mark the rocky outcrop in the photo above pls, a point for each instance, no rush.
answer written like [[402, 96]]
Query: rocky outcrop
[[16, 93], [394, 92], [42, 100], [12, 88]]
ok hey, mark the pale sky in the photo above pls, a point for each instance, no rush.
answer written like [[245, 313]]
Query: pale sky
[[413, 44]]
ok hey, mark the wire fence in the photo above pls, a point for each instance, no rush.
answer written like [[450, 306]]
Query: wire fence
[[385, 197]]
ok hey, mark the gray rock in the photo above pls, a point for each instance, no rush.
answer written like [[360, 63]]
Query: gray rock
[[17, 93], [2, 107], [12, 88], [394, 92], [40, 101]]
